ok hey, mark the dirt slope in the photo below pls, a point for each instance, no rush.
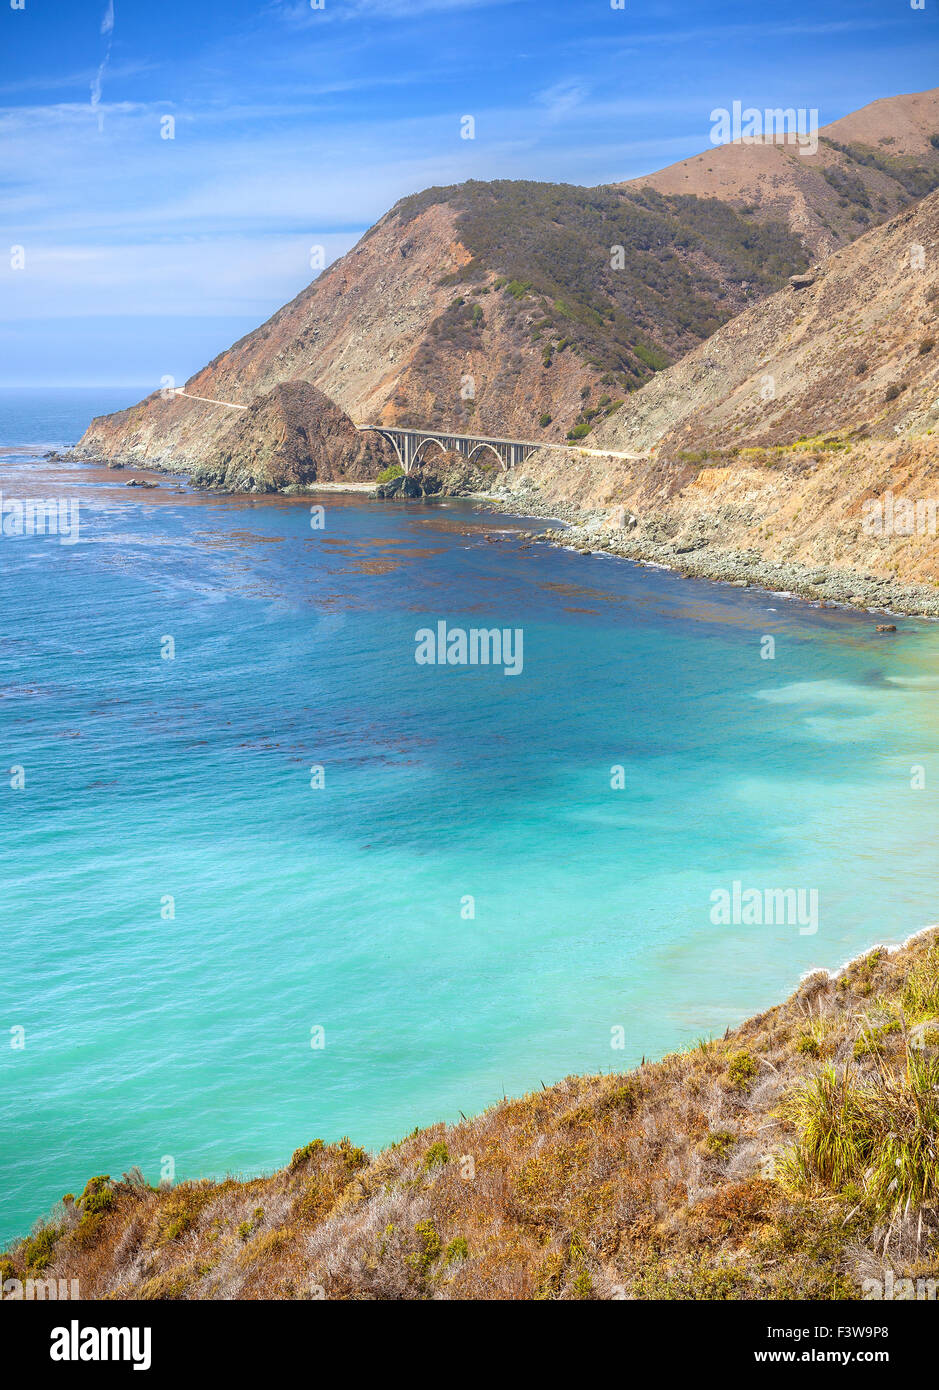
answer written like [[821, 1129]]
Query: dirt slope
[[822, 358], [768, 449]]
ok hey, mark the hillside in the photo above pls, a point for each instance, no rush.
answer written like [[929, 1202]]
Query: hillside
[[869, 165], [528, 310], [483, 306], [766, 446], [855, 350], [793, 1158]]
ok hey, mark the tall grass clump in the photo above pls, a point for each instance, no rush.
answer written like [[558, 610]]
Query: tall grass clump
[[877, 1135]]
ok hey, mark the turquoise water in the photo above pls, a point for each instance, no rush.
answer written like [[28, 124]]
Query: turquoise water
[[342, 907]]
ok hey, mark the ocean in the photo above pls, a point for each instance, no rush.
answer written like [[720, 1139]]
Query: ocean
[[266, 877]]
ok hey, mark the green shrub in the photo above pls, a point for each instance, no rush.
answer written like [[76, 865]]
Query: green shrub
[[436, 1156], [38, 1249], [300, 1156], [394, 470], [97, 1196], [429, 1247], [551, 243], [870, 1043], [719, 1143], [741, 1069]]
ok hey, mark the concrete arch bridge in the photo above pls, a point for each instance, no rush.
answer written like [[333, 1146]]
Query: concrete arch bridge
[[410, 445]]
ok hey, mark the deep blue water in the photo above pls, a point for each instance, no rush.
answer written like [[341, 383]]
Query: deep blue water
[[343, 907]]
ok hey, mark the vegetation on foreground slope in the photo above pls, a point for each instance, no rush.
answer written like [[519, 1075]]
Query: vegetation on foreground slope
[[794, 1158]]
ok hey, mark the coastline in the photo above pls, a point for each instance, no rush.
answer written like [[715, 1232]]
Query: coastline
[[566, 1098], [590, 532]]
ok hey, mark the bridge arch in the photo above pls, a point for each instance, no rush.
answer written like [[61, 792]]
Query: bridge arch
[[391, 436], [478, 448], [409, 445], [428, 439]]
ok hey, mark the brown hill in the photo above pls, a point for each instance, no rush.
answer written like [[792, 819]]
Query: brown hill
[[507, 308], [792, 1158], [855, 350], [868, 166], [763, 455]]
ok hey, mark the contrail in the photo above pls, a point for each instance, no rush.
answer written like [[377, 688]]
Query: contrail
[[107, 29]]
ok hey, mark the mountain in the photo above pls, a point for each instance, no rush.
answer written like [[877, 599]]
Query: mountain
[[764, 454], [792, 1158], [686, 330], [508, 308], [869, 165], [851, 349]]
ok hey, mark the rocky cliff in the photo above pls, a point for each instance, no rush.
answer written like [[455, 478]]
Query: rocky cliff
[[515, 309], [291, 438], [640, 320]]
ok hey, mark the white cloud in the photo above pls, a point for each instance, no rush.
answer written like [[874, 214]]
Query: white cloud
[[211, 275]]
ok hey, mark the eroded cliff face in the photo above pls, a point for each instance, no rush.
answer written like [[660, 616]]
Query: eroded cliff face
[[855, 350], [856, 527], [500, 307], [761, 443], [517, 309], [350, 334], [377, 334]]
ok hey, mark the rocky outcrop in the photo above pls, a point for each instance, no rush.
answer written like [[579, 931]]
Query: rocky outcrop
[[444, 474], [288, 440]]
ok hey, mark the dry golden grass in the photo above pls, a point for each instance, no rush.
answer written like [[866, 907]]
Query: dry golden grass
[[741, 1168]]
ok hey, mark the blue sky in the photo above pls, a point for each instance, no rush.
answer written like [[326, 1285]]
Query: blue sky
[[297, 127]]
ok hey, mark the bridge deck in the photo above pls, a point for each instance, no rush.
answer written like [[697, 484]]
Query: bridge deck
[[517, 449], [450, 434]]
